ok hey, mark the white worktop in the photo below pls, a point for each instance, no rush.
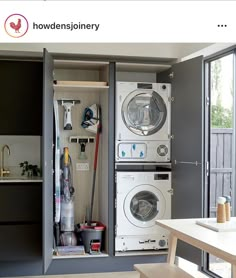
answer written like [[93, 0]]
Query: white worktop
[[20, 179], [220, 244]]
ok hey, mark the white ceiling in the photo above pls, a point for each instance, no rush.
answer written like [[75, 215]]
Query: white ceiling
[[150, 50], [158, 50]]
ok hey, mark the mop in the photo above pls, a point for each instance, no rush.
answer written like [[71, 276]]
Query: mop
[[94, 172], [92, 122]]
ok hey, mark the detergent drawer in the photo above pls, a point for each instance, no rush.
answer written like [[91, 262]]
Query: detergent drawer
[[20, 242], [20, 202]]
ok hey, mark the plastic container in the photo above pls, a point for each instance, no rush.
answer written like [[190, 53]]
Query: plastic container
[[92, 237], [67, 216]]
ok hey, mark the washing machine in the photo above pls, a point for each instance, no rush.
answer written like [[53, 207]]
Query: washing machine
[[143, 121], [141, 199]]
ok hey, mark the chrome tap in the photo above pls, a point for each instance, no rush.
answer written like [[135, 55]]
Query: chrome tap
[[3, 171]]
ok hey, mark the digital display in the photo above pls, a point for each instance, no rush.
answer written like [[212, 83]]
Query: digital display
[[144, 86], [161, 176]]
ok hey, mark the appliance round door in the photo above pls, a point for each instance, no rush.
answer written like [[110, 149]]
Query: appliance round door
[[144, 112], [143, 205]]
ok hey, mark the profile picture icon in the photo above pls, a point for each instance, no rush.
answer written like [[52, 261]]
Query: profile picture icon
[[16, 25]]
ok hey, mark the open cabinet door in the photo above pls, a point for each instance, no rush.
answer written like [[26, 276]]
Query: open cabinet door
[[47, 160], [187, 150]]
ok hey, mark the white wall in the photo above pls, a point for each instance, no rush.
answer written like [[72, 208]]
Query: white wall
[[23, 148]]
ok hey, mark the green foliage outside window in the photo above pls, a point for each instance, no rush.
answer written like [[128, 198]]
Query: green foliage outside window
[[221, 117]]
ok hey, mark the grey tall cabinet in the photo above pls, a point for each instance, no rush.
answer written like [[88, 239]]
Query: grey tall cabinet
[[187, 166]]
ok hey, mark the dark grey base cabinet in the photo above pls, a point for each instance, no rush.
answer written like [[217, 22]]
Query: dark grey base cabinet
[[20, 268], [20, 202], [20, 228], [106, 264], [20, 242], [75, 266]]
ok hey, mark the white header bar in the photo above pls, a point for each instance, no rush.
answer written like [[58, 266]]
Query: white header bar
[[117, 21]]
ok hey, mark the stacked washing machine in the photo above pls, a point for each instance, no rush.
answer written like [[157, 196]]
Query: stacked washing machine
[[143, 127]]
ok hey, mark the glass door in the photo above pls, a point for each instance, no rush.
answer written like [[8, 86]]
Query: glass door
[[221, 146], [144, 112], [143, 205]]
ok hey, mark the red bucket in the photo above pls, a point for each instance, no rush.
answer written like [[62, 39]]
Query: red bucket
[[92, 236]]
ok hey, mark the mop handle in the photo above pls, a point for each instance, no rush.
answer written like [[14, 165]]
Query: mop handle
[[96, 147], [94, 173]]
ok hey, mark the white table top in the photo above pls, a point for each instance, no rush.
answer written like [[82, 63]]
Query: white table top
[[220, 244]]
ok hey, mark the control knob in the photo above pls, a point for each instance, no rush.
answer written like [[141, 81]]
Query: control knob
[[162, 242]]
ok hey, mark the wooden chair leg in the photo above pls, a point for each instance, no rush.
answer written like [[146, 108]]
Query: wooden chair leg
[[172, 249], [233, 271]]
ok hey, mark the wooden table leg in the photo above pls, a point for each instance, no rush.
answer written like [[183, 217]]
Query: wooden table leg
[[172, 249], [233, 271]]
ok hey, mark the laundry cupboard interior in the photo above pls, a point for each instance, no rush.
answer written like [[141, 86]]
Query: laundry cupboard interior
[[101, 74], [70, 77]]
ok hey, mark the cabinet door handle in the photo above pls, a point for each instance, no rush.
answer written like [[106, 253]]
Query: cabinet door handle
[[188, 162]]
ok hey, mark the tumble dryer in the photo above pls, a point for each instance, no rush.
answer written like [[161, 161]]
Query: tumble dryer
[[143, 121], [142, 198]]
